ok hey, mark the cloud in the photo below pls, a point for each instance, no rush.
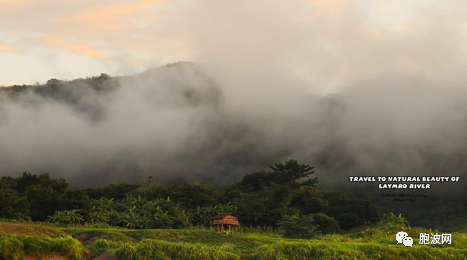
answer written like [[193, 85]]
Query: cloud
[[9, 48], [101, 30], [75, 48], [330, 2], [398, 24], [332, 6], [398, 103], [108, 17], [140, 62], [22, 3], [384, 6]]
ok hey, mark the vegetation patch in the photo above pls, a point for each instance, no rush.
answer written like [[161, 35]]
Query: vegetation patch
[[21, 246], [30, 230]]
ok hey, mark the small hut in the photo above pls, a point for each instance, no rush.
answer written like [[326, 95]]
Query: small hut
[[228, 219]]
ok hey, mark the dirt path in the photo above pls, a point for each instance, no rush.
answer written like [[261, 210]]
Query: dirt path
[[85, 239]]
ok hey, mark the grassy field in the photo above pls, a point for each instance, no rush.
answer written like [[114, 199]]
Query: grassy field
[[36, 241]]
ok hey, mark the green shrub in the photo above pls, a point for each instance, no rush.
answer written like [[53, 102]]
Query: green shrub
[[102, 246], [127, 252], [35, 245], [349, 220], [299, 226], [326, 224], [18, 246], [11, 246]]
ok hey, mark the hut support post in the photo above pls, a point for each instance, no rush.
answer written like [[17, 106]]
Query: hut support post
[[229, 229]]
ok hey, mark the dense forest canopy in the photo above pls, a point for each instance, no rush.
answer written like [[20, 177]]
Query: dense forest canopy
[[262, 198]]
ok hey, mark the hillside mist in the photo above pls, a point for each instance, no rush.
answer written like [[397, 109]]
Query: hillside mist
[[180, 123]]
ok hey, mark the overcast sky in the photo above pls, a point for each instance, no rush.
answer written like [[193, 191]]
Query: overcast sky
[[43, 39]]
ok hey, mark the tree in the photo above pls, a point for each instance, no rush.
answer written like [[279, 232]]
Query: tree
[[13, 205], [290, 172], [264, 207], [349, 220], [299, 226], [45, 197], [308, 200], [256, 181], [349, 213], [326, 224], [193, 195], [118, 191]]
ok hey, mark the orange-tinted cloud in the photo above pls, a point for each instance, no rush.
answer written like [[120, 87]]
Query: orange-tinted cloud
[[22, 2], [133, 62], [399, 27], [109, 16], [13, 5], [331, 6], [398, 24], [9, 48], [83, 50], [136, 62], [75, 48], [327, 2], [330, 2], [384, 6]]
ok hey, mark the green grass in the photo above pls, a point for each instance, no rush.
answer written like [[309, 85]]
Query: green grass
[[370, 242], [243, 242], [20, 246], [150, 249], [352, 251]]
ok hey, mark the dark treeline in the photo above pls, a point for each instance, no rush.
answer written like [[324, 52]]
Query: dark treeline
[[265, 198]]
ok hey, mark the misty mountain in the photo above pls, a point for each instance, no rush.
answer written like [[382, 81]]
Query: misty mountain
[[166, 122], [182, 122]]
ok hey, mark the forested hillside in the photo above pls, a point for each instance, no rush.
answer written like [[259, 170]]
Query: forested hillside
[[260, 199], [177, 124]]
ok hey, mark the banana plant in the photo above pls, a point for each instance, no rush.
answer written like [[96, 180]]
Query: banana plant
[[59, 217], [98, 217], [226, 208], [135, 200], [66, 217], [74, 216], [399, 220], [163, 219], [133, 220]]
